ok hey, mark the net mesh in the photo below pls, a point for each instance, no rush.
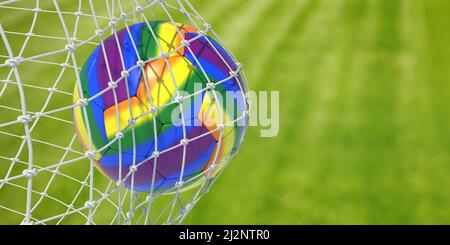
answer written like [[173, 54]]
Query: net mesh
[[45, 175]]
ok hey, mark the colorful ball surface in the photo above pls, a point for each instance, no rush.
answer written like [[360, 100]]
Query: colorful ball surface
[[170, 69]]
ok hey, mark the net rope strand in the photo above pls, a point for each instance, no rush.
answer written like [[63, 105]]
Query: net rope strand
[[130, 207]]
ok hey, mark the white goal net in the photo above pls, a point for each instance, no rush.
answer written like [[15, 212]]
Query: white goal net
[[46, 177]]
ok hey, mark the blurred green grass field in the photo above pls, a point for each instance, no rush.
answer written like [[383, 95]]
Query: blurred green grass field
[[364, 112]]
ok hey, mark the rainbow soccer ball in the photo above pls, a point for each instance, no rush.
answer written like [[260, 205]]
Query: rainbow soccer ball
[[155, 113]]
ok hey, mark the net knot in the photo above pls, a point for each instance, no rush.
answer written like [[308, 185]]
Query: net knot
[[210, 85], [38, 114], [89, 204], [112, 85], [70, 47], [52, 89], [179, 183], [155, 154], [213, 166], [119, 183], [185, 43], [99, 33], [165, 55], [133, 168], [149, 198], [153, 109], [83, 102], [24, 118], [13, 62], [234, 74], [207, 27], [125, 74], [112, 24], [139, 9], [249, 101], [179, 99], [140, 63], [119, 135], [184, 142], [188, 207], [29, 172], [90, 154]]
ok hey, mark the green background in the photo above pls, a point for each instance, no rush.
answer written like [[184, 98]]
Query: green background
[[364, 112]]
